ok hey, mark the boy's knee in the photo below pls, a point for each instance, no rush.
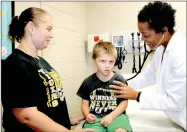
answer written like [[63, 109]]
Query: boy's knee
[[120, 130]]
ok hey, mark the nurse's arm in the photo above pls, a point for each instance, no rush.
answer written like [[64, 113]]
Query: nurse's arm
[[174, 98], [144, 79]]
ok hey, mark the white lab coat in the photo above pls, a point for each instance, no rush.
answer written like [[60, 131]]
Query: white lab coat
[[170, 79]]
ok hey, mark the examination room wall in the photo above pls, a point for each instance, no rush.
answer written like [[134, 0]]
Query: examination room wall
[[66, 51], [108, 17], [73, 21]]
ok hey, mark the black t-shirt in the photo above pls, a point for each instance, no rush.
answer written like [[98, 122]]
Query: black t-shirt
[[99, 94], [31, 82]]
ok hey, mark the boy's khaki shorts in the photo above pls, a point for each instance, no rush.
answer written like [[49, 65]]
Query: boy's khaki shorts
[[122, 121]]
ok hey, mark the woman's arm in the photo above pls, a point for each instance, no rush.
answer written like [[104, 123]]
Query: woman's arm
[[37, 120], [76, 120]]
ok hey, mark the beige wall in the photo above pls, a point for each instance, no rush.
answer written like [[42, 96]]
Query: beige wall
[[72, 21], [105, 17], [113, 16], [66, 53]]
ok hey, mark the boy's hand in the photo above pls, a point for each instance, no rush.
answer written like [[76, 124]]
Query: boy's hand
[[106, 120], [90, 118]]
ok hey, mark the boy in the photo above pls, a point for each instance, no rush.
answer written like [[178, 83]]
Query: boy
[[101, 109]]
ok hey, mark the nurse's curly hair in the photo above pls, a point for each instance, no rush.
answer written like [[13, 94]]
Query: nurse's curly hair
[[158, 15]]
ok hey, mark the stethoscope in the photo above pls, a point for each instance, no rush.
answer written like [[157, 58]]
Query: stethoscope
[[146, 56]]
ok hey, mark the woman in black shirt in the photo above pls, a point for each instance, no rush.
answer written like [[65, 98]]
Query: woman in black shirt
[[32, 93]]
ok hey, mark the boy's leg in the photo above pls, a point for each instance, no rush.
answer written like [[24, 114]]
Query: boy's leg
[[122, 121], [95, 125]]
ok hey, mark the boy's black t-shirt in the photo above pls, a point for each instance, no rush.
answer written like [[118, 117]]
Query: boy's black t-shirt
[[99, 94], [31, 82]]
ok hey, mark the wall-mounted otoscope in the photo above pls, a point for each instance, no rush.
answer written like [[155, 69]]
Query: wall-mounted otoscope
[[146, 54], [134, 59], [138, 34]]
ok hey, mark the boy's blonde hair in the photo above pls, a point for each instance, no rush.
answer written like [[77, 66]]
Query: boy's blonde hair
[[106, 47]]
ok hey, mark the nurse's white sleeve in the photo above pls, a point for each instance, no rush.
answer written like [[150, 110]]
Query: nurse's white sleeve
[[144, 79], [175, 97]]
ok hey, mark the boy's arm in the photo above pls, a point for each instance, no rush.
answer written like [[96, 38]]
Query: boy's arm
[[85, 107], [119, 109], [86, 112]]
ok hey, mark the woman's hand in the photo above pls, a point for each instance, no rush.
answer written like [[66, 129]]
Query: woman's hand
[[106, 120], [88, 130], [76, 121], [83, 130], [124, 91]]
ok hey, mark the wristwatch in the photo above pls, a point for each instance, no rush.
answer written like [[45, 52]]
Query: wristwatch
[[138, 97]]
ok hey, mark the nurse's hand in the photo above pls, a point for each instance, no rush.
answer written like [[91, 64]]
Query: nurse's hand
[[124, 91]]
